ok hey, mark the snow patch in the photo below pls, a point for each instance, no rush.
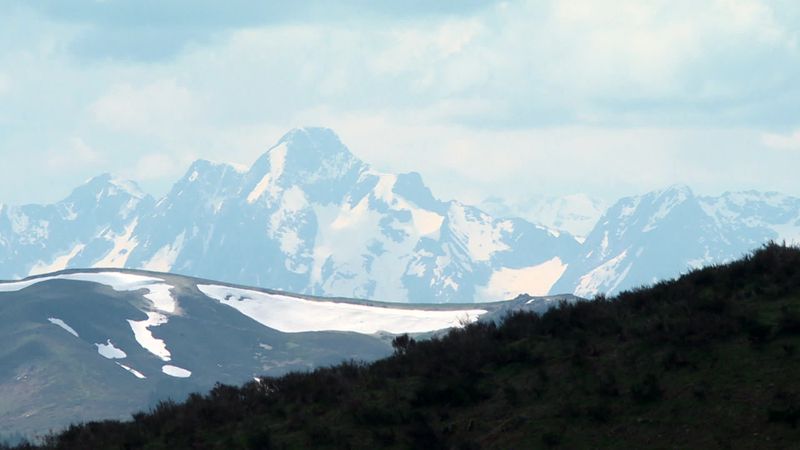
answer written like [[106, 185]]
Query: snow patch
[[629, 209], [606, 276], [350, 216], [384, 189], [675, 197], [296, 315], [703, 261], [145, 338], [128, 187], [290, 242], [60, 263], [293, 202], [425, 222], [480, 235], [534, 280], [604, 245], [123, 246], [63, 325], [550, 231], [165, 257], [135, 372], [108, 351], [268, 183], [789, 232], [175, 371], [158, 291]]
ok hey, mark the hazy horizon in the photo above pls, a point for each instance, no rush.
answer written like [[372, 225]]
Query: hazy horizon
[[514, 198]]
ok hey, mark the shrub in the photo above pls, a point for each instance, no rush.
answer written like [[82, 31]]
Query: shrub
[[757, 332], [646, 391], [551, 438], [789, 322], [402, 343]]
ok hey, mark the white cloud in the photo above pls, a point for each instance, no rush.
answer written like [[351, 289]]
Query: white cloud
[[407, 48], [782, 141], [158, 166], [146, 109], [77, 155], [470, 164]]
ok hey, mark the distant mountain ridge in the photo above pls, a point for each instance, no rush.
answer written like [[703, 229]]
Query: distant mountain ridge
[[310, 217], [576, 214], [661, 234]]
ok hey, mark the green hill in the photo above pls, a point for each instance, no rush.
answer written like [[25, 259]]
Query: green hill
[[711, 360]]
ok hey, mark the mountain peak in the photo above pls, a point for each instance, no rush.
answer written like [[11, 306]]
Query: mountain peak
[[202, 167], [675, 190], [311, 157], [313, 134], [308, 139], [110, 185], [310, 148]]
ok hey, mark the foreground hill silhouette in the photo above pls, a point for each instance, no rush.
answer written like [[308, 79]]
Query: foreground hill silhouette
[[710, 360]]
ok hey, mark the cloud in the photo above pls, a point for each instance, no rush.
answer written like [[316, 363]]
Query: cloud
[[146, 109], [157, 166], [782, 141], [78, 155], [468, 163], [490, 97], [153, 30], [528, 65]]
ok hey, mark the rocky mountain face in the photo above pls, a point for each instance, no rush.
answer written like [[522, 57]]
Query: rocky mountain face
[[310, 217]]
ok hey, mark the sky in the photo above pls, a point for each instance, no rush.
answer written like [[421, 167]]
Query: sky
[[507, 99]]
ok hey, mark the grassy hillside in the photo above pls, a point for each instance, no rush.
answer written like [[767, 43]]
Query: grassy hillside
[[711, 360]]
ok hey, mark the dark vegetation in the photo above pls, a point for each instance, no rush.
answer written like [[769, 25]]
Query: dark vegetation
[[711, 360], [12, 439]]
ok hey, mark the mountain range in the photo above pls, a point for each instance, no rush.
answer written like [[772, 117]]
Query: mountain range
[[310, 217]]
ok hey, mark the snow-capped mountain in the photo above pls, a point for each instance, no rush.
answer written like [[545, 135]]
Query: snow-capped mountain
[[102, 344], [662, 234], [79, 231], [310, 217], [307, 217], [576, 214]]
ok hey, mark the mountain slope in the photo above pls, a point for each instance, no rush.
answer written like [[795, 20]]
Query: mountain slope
[[90, 344], [706, 361]]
